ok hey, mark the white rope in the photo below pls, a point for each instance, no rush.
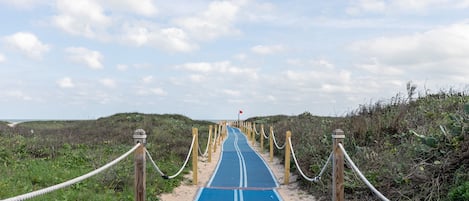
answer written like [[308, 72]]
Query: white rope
[[72, 181], [355, 168], [275, 142], [314, 179], [154, 164], [255, 131], [208, 144], [205, 154], [181, 169], [265, 136], [200, 151]]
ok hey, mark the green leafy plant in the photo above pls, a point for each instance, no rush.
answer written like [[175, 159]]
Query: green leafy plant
[[459, 193]]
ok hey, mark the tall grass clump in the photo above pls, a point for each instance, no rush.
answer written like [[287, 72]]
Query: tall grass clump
[[408, 148]]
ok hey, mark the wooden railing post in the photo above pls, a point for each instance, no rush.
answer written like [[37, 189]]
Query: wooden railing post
[[195, 154], [215, 137], [337, 166], [246, 131], [224, 131], [271, 144], [139, 165], [219, 137], [209, 143], [262, 138], [253, 132], [287, 159]]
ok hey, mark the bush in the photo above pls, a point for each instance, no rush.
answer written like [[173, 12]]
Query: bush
[[459, 193]]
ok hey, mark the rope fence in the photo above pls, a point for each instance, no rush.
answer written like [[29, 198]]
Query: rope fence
[[73, 181], [140, 152], [180, 169], [360, 174], [276, 144], [313, 179], [338, 156], [263, 134], [255, 130]]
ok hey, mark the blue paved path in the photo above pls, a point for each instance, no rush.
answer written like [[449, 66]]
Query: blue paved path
[[241, 174]]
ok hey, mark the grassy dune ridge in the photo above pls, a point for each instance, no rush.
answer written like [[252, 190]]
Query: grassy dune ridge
[[60, 150], [409, 149]]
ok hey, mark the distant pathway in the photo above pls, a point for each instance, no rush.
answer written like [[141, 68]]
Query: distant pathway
[[241, 174]]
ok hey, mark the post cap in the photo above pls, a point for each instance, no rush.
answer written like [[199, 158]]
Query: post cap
[[338, 134], [140, 136]]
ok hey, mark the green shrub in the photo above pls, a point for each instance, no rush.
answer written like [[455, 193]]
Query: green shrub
[[459, 193]]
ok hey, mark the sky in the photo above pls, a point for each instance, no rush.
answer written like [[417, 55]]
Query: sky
[[63, 59]]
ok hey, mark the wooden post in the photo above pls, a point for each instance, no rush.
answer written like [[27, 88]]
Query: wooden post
[[287, 159], [337, 166], [271, 144], [224, 131], [262, 138], [250, 131], [244, 129], [195, 154], [139, 165], [253, 134], [217, 136], [209, 143], [215, 142]]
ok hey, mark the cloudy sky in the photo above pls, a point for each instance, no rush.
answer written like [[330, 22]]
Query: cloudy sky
[[63, 59]]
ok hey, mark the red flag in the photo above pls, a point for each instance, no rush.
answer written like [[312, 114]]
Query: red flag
[[240, 112]]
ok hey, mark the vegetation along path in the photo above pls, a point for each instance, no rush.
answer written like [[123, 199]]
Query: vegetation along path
[[241, 174]]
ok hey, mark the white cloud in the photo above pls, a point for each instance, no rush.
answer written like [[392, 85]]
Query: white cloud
[[197, 78], [141, 7], [231, 92], [65, 82], [334, 88], [218, 20], [84, 18], [201, 67], [315, 63], [24, 4], [240, 57], [108, 82], [91, 58], [152, 91], [219, 67], [375, 67], [366, 6], [149, 34], [267, 49], [2, 58], [147, 79], [420, 5], [18, 94], [28, 44], [122, 67], [397, 6], [441, 51], [339, 76]]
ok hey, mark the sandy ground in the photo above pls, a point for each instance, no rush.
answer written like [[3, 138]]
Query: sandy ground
[[187, 191]]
